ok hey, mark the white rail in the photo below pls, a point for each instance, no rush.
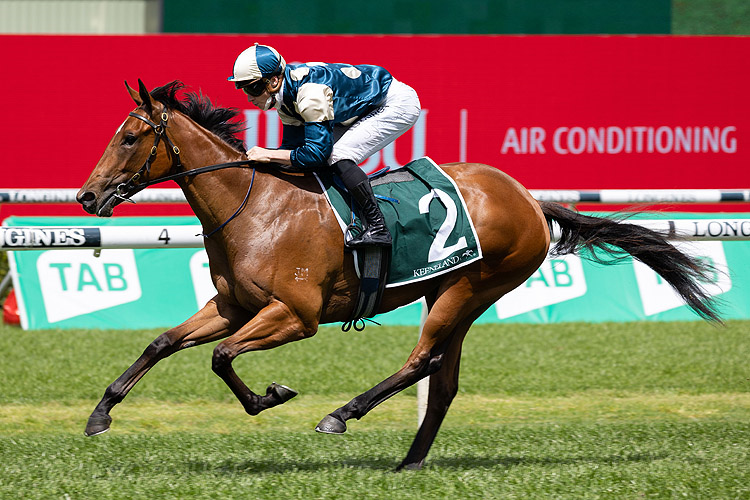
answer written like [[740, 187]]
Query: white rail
[[612, 196], [36, 196], [627, 196], [59, 237], [691, 229]]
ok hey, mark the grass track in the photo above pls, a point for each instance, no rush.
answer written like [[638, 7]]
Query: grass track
[[568, 411], [398, 413]]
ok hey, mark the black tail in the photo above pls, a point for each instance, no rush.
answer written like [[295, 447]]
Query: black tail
[[681, 271]]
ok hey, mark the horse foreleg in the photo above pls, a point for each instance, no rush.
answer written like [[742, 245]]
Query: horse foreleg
[[273, 326], [216, 320]]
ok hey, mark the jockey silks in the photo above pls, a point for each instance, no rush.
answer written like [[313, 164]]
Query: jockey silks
[[316, 96]]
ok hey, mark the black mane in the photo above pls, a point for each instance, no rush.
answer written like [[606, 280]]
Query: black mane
[[198, 107]]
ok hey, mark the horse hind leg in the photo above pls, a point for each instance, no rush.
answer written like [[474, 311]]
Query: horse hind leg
[[216, 320], [415, 369], [426, 358], [444, 383], [442, 390]]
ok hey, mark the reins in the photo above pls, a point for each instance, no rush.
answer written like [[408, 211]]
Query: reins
[[126, 190], [196, 171]]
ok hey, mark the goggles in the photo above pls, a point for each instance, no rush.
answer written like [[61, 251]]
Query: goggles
[[255, 88]]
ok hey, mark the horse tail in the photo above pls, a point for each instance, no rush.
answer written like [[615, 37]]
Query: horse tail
[[618, 239]]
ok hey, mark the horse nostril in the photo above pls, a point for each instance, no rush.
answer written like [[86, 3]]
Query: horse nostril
[[86, 197]]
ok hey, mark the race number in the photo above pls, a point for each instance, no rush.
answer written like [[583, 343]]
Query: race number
[[164, 236], [438, 250]]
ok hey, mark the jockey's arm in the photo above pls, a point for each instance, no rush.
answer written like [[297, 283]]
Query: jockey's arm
[[263, 155], [310, 139], [306, 147]]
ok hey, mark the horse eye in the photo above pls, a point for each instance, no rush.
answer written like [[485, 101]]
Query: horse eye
[[129, 140]]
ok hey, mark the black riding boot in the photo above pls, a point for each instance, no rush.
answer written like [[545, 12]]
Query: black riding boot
[[376, 233]]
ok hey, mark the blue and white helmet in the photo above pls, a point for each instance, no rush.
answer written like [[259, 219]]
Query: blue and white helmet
[[256, 62]]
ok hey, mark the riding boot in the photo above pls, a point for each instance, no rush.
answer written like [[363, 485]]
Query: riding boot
[[376, 232]]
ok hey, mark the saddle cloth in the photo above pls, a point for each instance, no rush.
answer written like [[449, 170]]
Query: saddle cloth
[[426, 214]]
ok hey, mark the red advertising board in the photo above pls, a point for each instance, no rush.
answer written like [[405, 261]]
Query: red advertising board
[[555, 112]]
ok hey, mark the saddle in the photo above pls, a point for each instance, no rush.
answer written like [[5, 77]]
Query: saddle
[[430, 226]]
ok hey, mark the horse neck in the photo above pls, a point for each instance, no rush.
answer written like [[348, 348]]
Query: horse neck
[[213, 196]]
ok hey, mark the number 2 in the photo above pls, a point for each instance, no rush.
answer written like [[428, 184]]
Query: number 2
[[438, 250]]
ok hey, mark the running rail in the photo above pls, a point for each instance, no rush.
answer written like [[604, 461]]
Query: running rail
[[611, 196]]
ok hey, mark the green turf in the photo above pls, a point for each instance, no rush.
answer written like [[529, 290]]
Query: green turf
[[644, 410], [634, 460]]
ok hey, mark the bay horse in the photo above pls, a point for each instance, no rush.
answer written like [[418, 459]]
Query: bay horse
[[284, 223]]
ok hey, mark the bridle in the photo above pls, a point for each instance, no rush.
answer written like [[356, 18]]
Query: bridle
[[126, 190]]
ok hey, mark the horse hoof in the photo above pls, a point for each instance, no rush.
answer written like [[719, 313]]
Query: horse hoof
[[410, 466], [281, 393], [331, 425], [97, 425]]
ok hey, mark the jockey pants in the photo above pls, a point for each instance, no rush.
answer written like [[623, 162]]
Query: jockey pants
[[379, 128]]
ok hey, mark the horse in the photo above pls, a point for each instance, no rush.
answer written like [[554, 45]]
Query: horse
[[262, 223]]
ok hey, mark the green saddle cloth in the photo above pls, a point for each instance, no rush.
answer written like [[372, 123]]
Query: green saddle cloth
[[426, 214]]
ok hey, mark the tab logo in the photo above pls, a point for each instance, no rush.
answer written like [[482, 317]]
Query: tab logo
[[202, 284], [658, 296], [558, 279], [74, 282]]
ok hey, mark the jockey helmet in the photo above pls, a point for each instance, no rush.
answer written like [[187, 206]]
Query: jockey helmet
[[256, 62]]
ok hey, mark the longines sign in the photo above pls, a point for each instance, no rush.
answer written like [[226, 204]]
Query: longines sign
[[48, 237]]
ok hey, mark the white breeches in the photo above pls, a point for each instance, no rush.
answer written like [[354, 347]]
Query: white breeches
[[376, 130]]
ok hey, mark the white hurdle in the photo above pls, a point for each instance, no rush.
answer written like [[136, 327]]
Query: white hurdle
[[190, 236], [99, 237]]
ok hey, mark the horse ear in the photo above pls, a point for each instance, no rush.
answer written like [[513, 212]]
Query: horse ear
[[145, 97], [133, 94]]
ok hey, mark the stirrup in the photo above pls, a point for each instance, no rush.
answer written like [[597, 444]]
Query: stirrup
[[375, 235]]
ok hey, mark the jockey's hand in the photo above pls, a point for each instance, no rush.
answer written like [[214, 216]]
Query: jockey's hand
[[263, 155], [258, 154]]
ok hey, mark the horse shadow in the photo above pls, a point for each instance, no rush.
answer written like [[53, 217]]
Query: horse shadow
[[388, 464]]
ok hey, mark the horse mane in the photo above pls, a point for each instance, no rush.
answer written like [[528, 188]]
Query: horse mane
[[200, 109]]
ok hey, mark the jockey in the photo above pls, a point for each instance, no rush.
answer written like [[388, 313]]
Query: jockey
[[333, 115]]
